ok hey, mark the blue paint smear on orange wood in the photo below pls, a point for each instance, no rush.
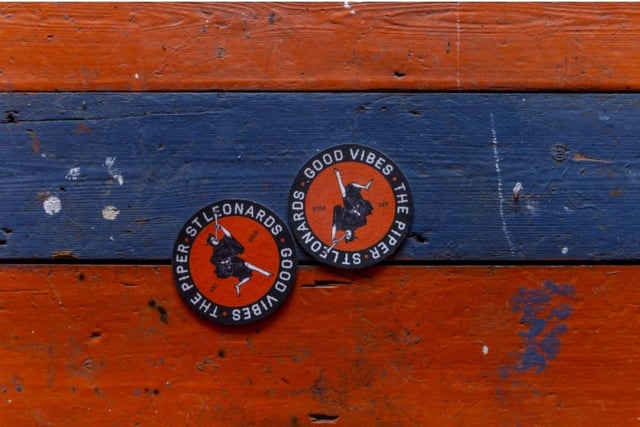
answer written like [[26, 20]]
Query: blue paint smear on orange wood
[[176, 152], [544, 316]]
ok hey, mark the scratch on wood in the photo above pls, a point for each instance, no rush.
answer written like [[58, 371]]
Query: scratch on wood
[[579, 157], [323, 418], [209, 363], [418, 237], [36, 141], [24, 291], [494, 140], [64, 254], [326, 284], [164, 316]]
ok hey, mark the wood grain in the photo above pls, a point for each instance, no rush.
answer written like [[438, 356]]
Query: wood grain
[[319, 46], [112, 176], [116, 175], [387, 346]]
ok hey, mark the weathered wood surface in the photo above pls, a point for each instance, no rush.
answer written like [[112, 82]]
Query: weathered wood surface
[[115, 175], [389, 346], [312, 46]]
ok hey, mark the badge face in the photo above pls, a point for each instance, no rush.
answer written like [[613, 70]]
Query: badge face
[[350, 206], [234, 262]]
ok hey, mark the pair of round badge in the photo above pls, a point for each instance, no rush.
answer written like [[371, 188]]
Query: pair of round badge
[[234, 261]]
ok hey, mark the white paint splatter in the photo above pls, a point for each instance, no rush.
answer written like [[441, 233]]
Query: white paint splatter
[[73, 174], [348, 7], [565, 250], [136, 75], [110, 162], [485, 350], [631, 174], [52, 205], [110, 213], [532, 206], [496, 157]]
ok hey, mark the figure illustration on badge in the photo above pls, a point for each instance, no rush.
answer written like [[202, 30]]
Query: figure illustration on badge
[[226, 251], [353, 214]]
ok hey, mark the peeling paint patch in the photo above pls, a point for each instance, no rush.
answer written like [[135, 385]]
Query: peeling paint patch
[[82, 129], [110, 213], [52, 205]]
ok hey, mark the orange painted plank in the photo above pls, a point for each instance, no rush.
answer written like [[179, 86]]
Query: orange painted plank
[[319, 46], [391, 346]]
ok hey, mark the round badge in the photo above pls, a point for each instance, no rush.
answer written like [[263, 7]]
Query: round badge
[[234, 262], [350, 206]]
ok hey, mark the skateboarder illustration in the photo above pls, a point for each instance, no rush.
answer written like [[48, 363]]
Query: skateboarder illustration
[[226, 251], [353, 214]]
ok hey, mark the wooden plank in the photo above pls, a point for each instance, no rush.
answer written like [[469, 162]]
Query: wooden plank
[[389, 346], [115, 175], [319, 46]]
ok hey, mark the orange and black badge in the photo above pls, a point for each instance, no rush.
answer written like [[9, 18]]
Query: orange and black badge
[[350, 206], [234, 262]]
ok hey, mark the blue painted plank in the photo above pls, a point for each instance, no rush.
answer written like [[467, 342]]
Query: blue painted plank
[[119, 173]]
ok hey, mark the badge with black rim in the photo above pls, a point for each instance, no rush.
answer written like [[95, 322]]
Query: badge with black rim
[[234, 262], [350, 206]]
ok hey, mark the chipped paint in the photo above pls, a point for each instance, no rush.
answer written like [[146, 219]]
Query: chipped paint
[[52, 205], [349, 8], [579, 157], [64, 254], [73, 174], [110, 213]]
